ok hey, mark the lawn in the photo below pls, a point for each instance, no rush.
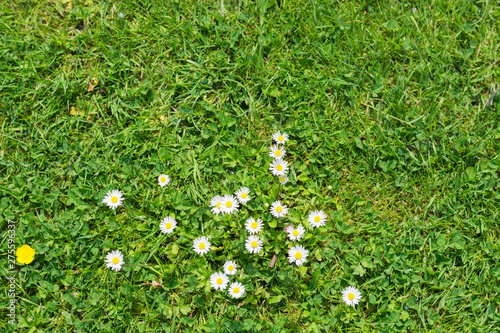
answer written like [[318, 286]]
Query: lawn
[[393, 122]]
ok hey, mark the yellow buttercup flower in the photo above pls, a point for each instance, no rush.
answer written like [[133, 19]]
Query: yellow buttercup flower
[[25, 254]]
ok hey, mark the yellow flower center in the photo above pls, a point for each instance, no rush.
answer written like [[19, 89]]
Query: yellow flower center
[[230, 268], [219, 281], [280, 138], [298, 255], [317, 218], [244, 195], [168, 225], [350, 296], [279, 167], [201, 246], [282, 179], [163, 179], [254, 225], [277, 152], [114, 199], [295, 233], [229, 204], [236, 290], [279, 209], [254, 244], [218, 205], [116, 260]]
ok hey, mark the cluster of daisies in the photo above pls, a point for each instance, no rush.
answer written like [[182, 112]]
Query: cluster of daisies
[[279, 167], [219, 280], [229, 204]]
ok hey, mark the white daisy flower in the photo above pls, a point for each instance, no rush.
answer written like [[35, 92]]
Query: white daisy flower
[[351, 296], [236, 290], [163, 180], [277, 152], [317, 218], [168, 225], [253, 226], [219, 281], [297, 254], [201, 245], [296, 234], [278, 167], [280, 138], [229, 204], [253, 244], [242, 195], [216, 204], [283, 180], [278, 210], [114, 260], [113, 199], [230, 267]]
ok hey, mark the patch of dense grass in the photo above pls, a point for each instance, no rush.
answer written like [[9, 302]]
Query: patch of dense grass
[[395, 134]]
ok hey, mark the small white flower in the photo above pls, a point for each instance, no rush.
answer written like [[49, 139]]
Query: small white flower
[[243, 195], [219, 281], [216, 204], [253, 244], [230, 267], [296, 234], [114, 260], [317, 218], [351, 296], [278, 167], [297, 254], [113, 199], [236, 290], [280, 138], [229, 204], [253, 226], [163, 180], [168, 225], [201, 245], [277, 152], [278, 210], [283, 180]]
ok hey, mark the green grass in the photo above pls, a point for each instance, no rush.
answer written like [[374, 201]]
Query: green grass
[[394, 133]]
